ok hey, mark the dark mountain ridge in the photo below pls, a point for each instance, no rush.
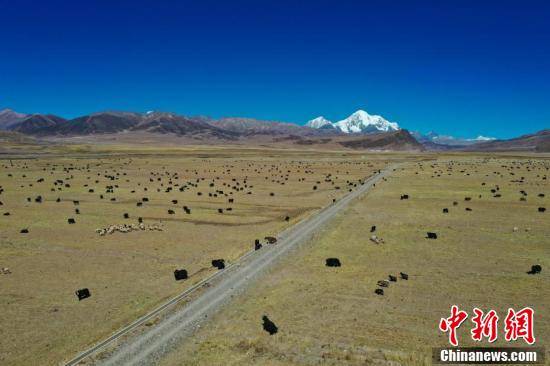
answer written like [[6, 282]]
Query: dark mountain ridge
[[394, 140]]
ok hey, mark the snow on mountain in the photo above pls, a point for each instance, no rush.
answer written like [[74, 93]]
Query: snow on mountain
[[9, 117], [358, 122], [449, 140], [319, 122], [483, 138]]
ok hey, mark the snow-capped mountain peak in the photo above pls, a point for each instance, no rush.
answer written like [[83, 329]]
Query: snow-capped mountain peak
[[358, 122], [484, 138], [361, 121], [319, 122]]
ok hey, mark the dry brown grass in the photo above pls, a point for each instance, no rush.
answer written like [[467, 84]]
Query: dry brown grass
[[131, 273], [332, 316]]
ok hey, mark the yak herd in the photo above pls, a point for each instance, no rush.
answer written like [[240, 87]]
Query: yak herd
[[160, 185], [493, 192], [111, 180]]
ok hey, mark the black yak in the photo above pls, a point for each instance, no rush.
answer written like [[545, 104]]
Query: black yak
[[379, 291], [535, 269], [430, 235], [269, 326], [333, 262], [404, 276], [218, 263], [82, 294], [180, 274]]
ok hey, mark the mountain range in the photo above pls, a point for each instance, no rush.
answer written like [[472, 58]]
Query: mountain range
[[111, 122], [358, 131], [434, 137]]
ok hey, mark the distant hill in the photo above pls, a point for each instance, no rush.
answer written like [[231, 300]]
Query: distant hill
[[15, 137], [400, 140], [162, 122], [38, 124], [251, 127], [103, 122], [446, 142], [538, 142], [9, 117], [116, 122]]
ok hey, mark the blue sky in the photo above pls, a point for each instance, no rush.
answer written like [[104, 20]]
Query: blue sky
[[457, 67]]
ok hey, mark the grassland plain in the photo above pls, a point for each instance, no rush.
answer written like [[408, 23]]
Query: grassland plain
[[130, 273], [332, 315]]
